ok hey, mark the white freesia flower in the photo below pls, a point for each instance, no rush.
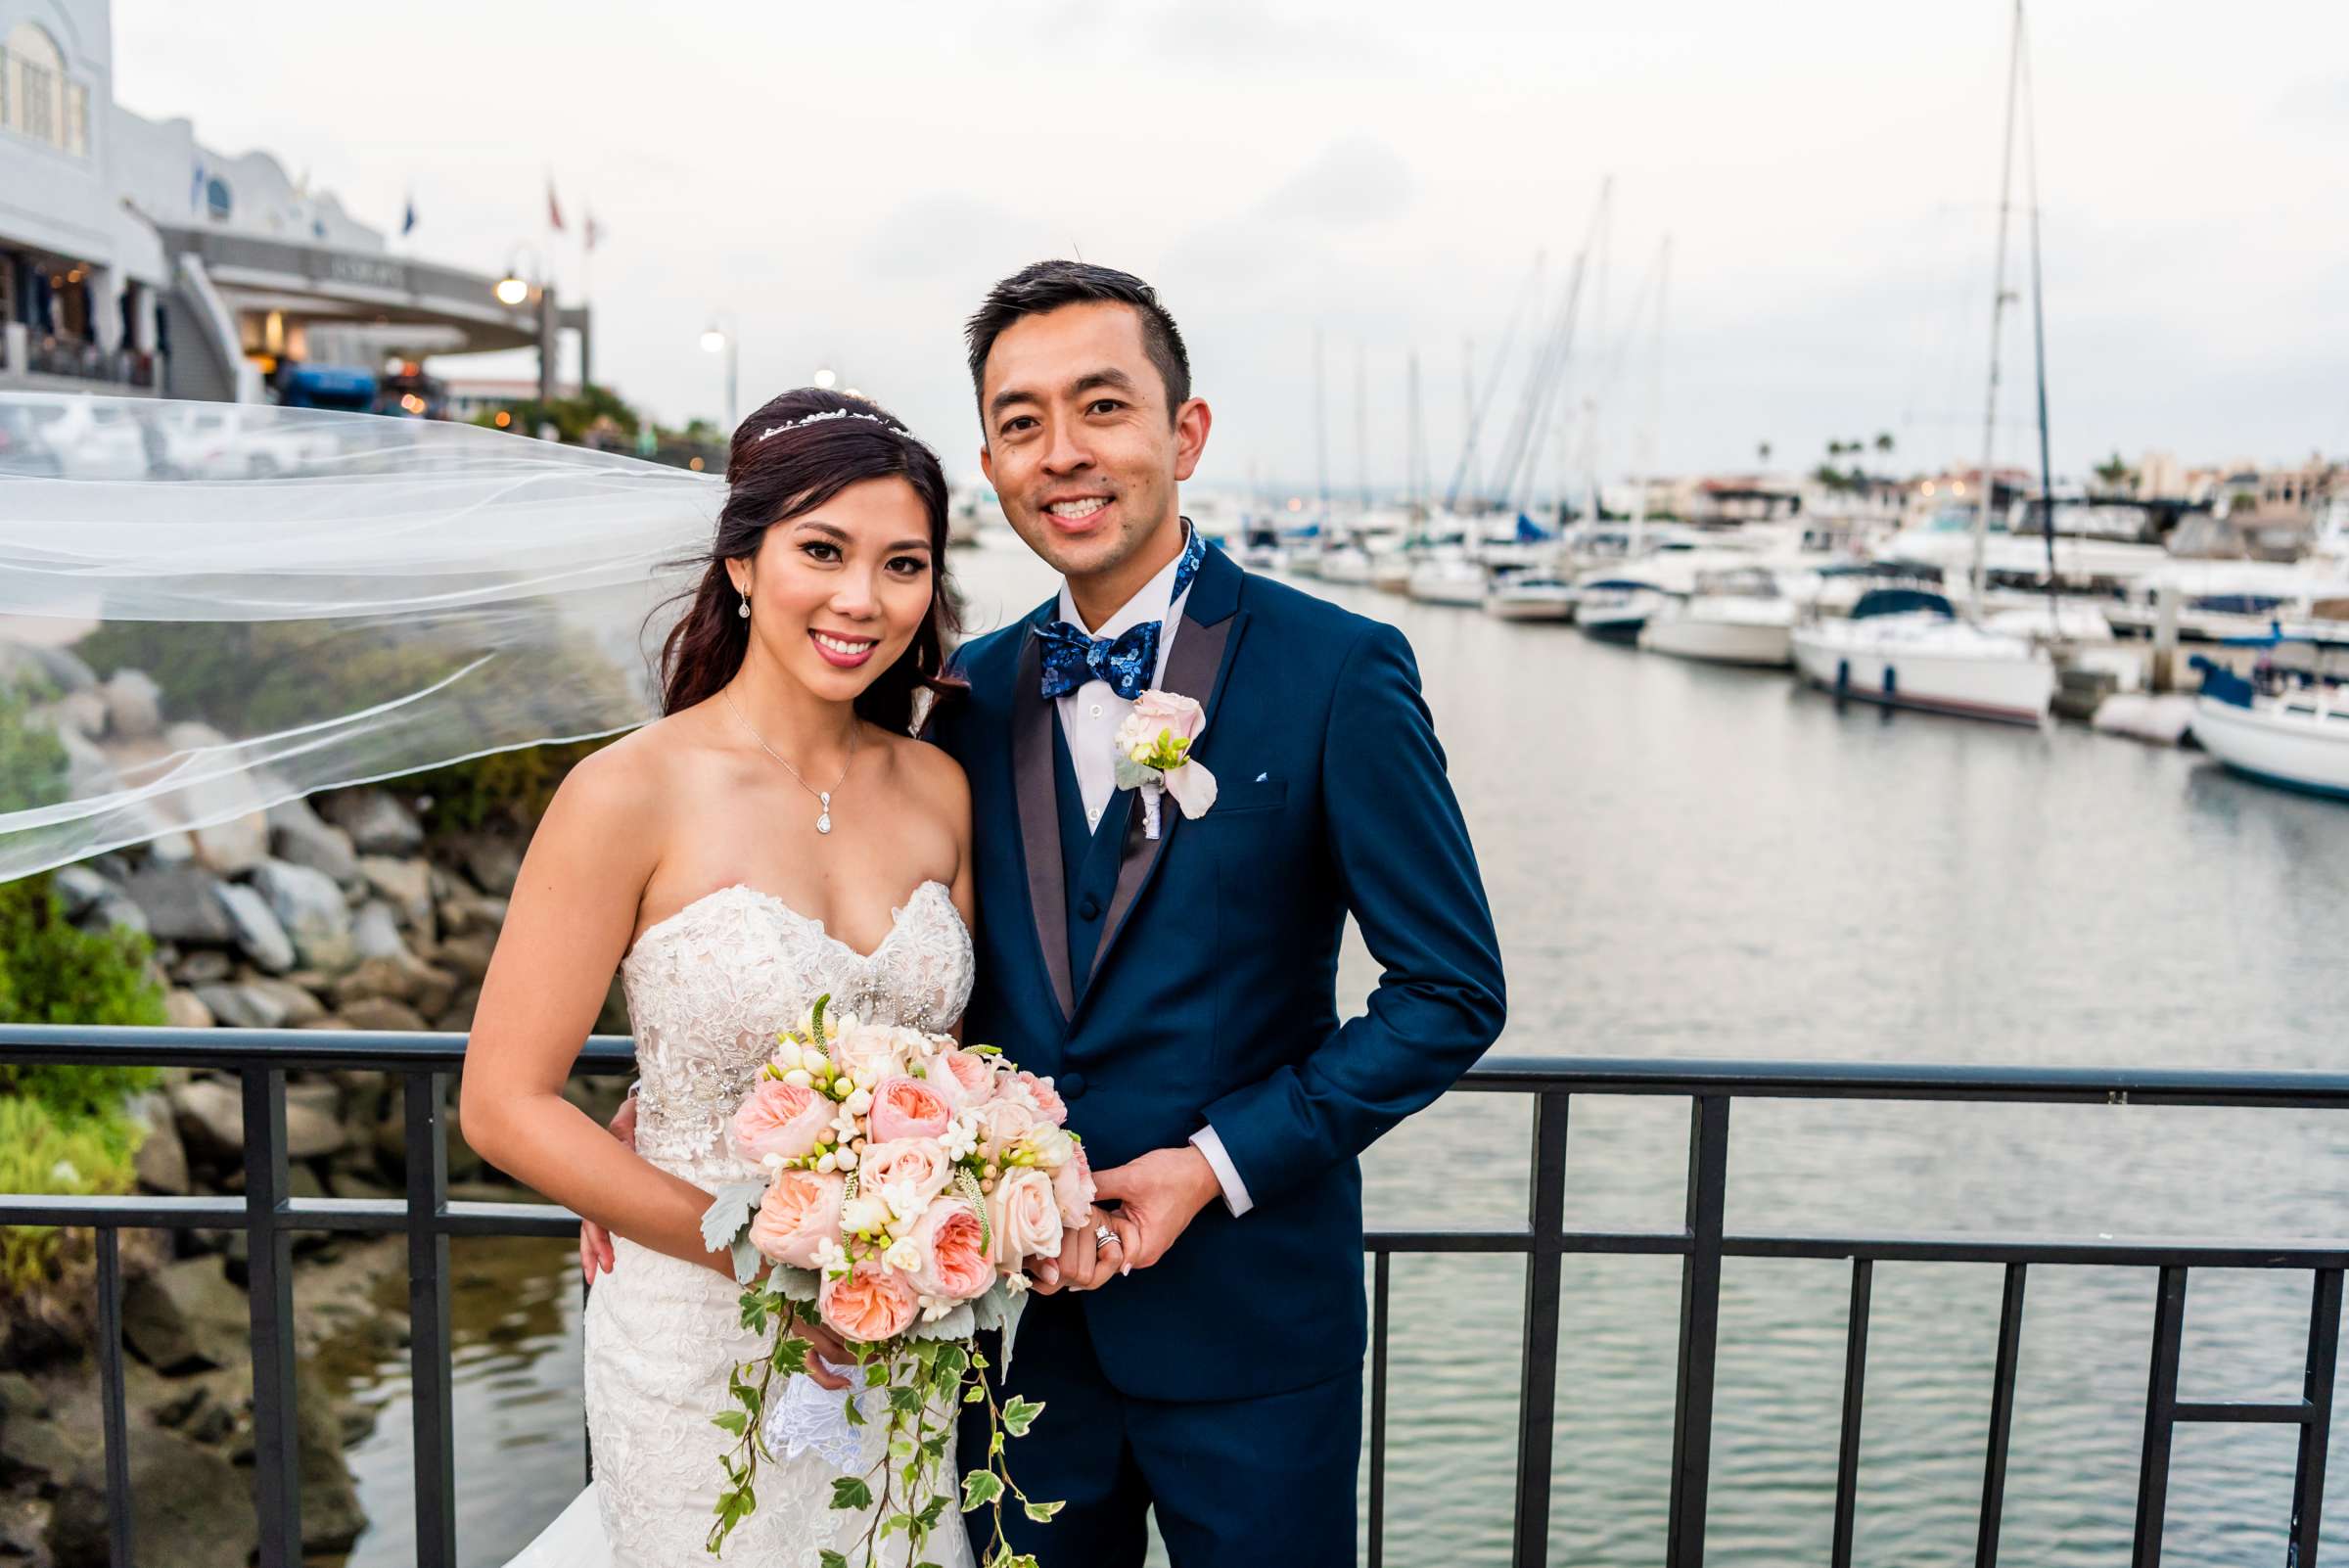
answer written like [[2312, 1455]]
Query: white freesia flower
[[903, 1254], [935, 1307], [861, 1102], [1049, 1146], [905, 1200], [844, 1159], [1015, 1284], [827, 1162], [960, 1139], [799, 1078], [862, 1213]]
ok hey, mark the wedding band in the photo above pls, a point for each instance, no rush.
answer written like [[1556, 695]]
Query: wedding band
[[1103, 1236]]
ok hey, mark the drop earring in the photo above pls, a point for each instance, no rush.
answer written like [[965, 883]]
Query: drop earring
[[745, 611]]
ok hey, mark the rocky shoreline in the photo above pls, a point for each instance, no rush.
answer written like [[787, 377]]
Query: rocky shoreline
[[342, 914]]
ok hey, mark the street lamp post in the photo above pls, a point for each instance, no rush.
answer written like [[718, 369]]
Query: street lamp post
[[719, 340]]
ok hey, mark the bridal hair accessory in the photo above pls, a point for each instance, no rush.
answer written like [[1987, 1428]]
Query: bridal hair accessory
[[902, 1184], [890, 425], [1153, 755]]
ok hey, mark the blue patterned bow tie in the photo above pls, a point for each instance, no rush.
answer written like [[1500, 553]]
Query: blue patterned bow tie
[[1128, 661]]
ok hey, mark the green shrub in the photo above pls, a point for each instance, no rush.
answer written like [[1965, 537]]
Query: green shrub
[[33, 759], [42, 1152], [505, 787]]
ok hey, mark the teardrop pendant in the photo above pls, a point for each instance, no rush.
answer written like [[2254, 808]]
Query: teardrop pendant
[[823, 824]]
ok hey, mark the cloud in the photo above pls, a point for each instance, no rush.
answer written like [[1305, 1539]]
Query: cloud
[[1357, 181]]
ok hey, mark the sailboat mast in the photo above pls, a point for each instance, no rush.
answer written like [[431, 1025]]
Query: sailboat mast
[[1361, 424], [2038, 346], [1414, 456], [1652, 437], [1321, 424], [1997, 312]]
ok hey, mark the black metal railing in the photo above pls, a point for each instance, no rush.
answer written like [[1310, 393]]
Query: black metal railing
[[424, 1063]]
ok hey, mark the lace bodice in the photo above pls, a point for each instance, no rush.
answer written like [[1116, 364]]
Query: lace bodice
[[707, 989], [709, 986]]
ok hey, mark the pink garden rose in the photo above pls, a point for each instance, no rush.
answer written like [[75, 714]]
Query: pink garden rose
[[1024, 1216], [1073, 1189], [962, 1077], [801, 1209], [868, 1051], [919, 1163], [955, 1264], [782, 1119], [999, 1125], [1041, 1097], [906, 1108], [1164, 710], [869, 1304]]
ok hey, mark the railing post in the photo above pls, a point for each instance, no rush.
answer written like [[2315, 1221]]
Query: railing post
[[1380, 1300], [2315, 1387], [1700, 1329], [434, 1443], [2002, 1419], [119, 1545], [2161, 1416], [269, 1266], [1537, 1379], [1855, 1397]]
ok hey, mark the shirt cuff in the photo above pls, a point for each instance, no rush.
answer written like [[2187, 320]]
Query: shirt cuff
[[1228, 1175]]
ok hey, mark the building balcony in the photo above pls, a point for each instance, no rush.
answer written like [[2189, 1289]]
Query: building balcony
[[30, 363]]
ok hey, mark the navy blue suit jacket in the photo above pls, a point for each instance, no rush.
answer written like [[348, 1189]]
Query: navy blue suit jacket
[[1210, 998]]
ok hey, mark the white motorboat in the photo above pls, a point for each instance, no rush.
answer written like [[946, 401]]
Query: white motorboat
[[1532, 598], [1905, 648], [1615, 608], [1348, 563], [1448, 580], [1734, 618], [2289, 728], [1391, 569]]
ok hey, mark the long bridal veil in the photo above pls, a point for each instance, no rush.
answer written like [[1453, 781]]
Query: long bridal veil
[[208, 609]]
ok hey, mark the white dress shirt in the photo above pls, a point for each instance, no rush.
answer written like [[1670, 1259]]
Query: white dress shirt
[[1089, 716]]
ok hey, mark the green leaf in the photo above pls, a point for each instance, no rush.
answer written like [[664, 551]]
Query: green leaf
[[734, 1421], [875, 1375], [847, 1492], [981, 1487], [906, 1401], [1019, 1414], [791, 1356], [1042, 1513], [828, 1558]]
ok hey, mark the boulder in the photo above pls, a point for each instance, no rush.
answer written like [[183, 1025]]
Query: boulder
[[112, 909], [135, 706], [410, 981], [260, 1004], [258, 933], [189, 1507], [80, 888], [313, 1122], [375, 932], [234, 846], [298, 836], [42, 1449], [61, 669], [405, 884], [182, 903], [468, 914], [186, 1316], [161, 1162], [378, 823], [457, 1016], [308, 904], [184, 1009], [211, 1118], [467, 956], [204, 967], [492, 860], [380, 1012], [83, 713], [331, 1515]]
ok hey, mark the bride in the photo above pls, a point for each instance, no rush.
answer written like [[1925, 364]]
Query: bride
[[774, 836]]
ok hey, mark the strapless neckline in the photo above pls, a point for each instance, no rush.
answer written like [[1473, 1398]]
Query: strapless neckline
[[897, 917]]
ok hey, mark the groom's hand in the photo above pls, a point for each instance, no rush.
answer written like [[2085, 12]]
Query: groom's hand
[[1158, 1195]]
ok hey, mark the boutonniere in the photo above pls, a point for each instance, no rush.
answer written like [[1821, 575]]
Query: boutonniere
[[1153, 755]]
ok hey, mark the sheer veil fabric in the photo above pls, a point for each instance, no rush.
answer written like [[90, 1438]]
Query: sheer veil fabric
[[277, 601]]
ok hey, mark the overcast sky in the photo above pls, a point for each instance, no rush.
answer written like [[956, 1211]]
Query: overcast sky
[[845, 179]]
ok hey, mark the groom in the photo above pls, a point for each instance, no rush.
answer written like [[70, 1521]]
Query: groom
[[1203, 1362]]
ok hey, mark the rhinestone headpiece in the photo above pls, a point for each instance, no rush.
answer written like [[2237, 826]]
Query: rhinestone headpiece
[[837, 413]]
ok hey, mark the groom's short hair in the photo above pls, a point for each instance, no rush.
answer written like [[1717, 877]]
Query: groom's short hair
[[1043, 286]]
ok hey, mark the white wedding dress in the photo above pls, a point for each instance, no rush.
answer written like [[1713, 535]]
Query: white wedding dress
[[707, 989]]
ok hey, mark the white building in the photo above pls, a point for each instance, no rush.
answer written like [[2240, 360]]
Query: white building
[[134, 257]]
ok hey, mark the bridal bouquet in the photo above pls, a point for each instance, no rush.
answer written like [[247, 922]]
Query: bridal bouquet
[[908, 1179]]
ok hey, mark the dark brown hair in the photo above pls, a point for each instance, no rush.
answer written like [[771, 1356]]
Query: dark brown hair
[[775, 474], [1043, 286]]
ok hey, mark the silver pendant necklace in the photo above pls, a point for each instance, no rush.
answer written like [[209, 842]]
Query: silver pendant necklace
[[823, 797]]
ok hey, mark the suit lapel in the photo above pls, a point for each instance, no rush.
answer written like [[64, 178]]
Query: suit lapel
[[1037, 791], [1199, 662]]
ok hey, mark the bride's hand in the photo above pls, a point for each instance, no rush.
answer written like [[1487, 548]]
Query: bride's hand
[[826, 1345], [595, 1242]]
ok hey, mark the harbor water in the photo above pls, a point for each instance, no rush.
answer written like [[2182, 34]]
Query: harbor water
[[1695, 861]]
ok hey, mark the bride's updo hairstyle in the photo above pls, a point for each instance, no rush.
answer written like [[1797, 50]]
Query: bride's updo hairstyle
[[789, 458]]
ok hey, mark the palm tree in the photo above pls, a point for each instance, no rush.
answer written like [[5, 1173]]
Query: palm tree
[[1884, 442], [2116, 474], [1761, 452]]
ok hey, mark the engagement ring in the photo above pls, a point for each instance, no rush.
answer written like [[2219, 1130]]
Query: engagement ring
[[1103, 1236]]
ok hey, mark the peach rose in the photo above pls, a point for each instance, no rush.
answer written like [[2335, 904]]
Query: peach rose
[[1025, 1218], [1164, 710], [868, 1305], [962, 1077], [953, 1262], [919, 1163], [1042, 1097], [906, 1108], [999, 1125], [799, 1210], [782, 1119], [1073, 1188]]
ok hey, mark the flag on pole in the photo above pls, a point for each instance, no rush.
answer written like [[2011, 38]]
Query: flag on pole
[[591, 231], [554, 209], [407, 222]]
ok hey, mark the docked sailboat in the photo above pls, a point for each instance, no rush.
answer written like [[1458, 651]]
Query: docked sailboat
[[1734, 617], [2288, 727], [1531, 596], [1449, 578]]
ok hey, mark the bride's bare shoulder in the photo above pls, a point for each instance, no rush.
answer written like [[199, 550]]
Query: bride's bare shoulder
[[631, 777], [934, 778]]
